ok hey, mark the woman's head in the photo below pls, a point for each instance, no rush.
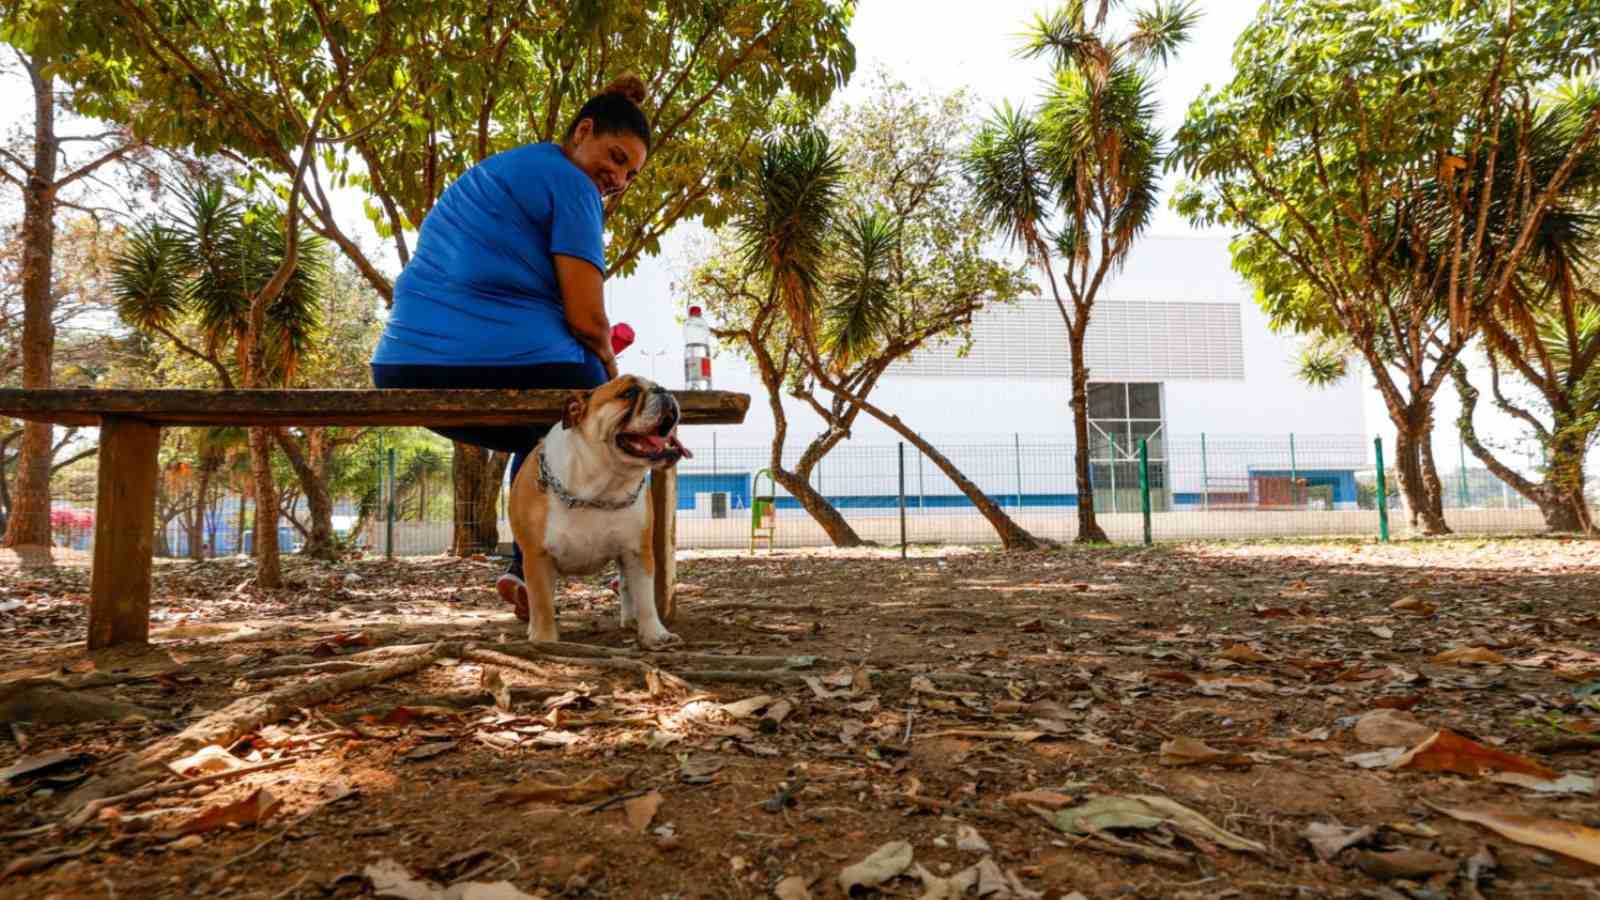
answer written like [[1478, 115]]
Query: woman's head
[[609, 138]]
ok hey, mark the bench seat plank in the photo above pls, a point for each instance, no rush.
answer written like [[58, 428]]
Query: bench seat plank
[[372, 406]]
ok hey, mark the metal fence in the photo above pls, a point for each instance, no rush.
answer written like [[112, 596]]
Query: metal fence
[[1196, 487]]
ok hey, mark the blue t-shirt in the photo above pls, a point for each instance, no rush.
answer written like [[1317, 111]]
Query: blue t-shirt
[[481, 289]]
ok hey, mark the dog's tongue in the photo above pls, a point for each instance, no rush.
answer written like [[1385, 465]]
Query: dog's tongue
[[672, 441]]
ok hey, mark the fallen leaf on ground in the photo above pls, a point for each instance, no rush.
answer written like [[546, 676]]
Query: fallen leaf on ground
[[38, 762], [1571, 784], [1482, 656], [1447, 751], [1408, 863], [595, 787], [428, 751], [1330, 839], [642, 810], [1566, 838], [1415, 606], [1187, 751], [954, 887], [251, 810], [1406, 702], [391, 879], [793, 887], [749, 707], [968, 838], [1391, 728], [1144, 811], [496, 686], [205, 761], [1377, 759], [22, 865], [1021, 737], [885, 864], [1046, 799], [1244, 653]]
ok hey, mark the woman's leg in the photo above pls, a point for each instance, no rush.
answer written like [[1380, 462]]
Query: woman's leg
[[517, 440]]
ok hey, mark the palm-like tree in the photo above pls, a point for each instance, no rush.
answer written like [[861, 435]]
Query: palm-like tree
[[201, 269], [804, 248], [1078, 182]]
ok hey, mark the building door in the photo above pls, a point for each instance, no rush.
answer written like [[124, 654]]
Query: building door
[[1120, 415]]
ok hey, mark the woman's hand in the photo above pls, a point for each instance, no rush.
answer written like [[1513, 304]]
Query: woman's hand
[[583, 299]]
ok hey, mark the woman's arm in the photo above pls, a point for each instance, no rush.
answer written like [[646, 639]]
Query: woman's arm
[[582, 296]]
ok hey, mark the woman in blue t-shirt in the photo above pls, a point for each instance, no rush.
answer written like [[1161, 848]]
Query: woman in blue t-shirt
[[505, 287]]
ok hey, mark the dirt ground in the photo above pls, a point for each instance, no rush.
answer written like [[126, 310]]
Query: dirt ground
[[1179, 721]]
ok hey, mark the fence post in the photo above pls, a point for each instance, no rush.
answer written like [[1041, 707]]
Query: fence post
[[1383, 494], [1461, 447], [1205, 476], [388, 538], [1017, 444], [1144, 486], [1294, 474], [902, 448], [713, 460], [1112, 438], [922, 493]]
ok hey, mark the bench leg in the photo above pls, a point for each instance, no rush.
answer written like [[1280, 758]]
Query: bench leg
[[664, 538], [124, 533]]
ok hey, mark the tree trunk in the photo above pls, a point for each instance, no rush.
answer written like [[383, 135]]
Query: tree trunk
[[1089, 531], [815, 505], [312, 465], [495, 480], [1432, 487], [239, 535], [474, 528], [1560, 498], [1411, 432], [197, 521], [269, 571], [28, 524], [1012, 535]]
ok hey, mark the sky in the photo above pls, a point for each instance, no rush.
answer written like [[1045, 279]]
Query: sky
[[937, 45]]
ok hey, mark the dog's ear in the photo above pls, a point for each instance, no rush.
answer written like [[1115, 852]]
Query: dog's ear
[[577, 408]]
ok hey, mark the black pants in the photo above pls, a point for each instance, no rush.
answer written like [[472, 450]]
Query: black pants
[[518, 440]]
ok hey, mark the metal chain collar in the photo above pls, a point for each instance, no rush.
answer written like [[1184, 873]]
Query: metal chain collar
[[554, 487]]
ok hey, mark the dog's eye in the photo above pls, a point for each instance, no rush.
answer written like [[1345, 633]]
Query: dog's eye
[[631, 394]]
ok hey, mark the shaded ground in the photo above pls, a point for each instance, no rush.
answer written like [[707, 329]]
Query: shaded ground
[[944, 686]]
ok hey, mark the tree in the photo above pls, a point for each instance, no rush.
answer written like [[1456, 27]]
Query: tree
[[1372, 156], [417, 92], [1080, 180], [211, 265], [904, 267], [44, 174]]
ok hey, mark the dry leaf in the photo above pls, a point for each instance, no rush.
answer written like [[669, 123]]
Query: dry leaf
[[1143, 811], [1450, 752], [1187, 751], [1391, 728], [251, 810], [1046, 799], [745, 708], [1415, 606], [885, 864], [1407, 863], [1330, 839], [38, 762], [954, 887], [1244, 653], [205, 761], [642, 810], [1021, 737], [1377, 759], [793, 887], [496, 685], [1481, 656], [595, 787], [1566, 838], [1571, 784], [968, 838]]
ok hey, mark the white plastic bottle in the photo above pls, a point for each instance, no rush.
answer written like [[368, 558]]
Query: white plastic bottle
[[696, 352]]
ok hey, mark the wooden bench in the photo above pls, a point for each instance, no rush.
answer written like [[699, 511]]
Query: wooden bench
[[130, 425]]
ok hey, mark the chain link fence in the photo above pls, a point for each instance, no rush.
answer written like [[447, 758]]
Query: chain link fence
[[1196, 487]]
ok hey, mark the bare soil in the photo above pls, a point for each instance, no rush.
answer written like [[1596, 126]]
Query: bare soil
[[941, 687]]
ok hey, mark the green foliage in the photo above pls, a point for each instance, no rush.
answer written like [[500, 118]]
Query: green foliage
[[201, 263], [412, 93]]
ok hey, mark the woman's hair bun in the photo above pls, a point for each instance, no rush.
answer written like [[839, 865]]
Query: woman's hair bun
[[628, 86]]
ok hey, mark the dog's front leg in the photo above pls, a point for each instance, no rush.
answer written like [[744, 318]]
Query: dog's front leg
[[639, 584], [626, 611], [540, 572]]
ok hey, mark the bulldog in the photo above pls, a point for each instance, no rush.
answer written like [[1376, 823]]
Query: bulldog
[[578, 502]]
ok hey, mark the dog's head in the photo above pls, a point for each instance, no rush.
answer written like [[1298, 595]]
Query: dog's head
[[633, 418]]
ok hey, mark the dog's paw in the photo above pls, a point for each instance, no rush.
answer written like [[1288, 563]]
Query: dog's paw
[[544, 635], [626, 623], [658, 639]]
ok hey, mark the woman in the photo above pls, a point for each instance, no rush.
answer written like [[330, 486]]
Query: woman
[[505, 288]]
